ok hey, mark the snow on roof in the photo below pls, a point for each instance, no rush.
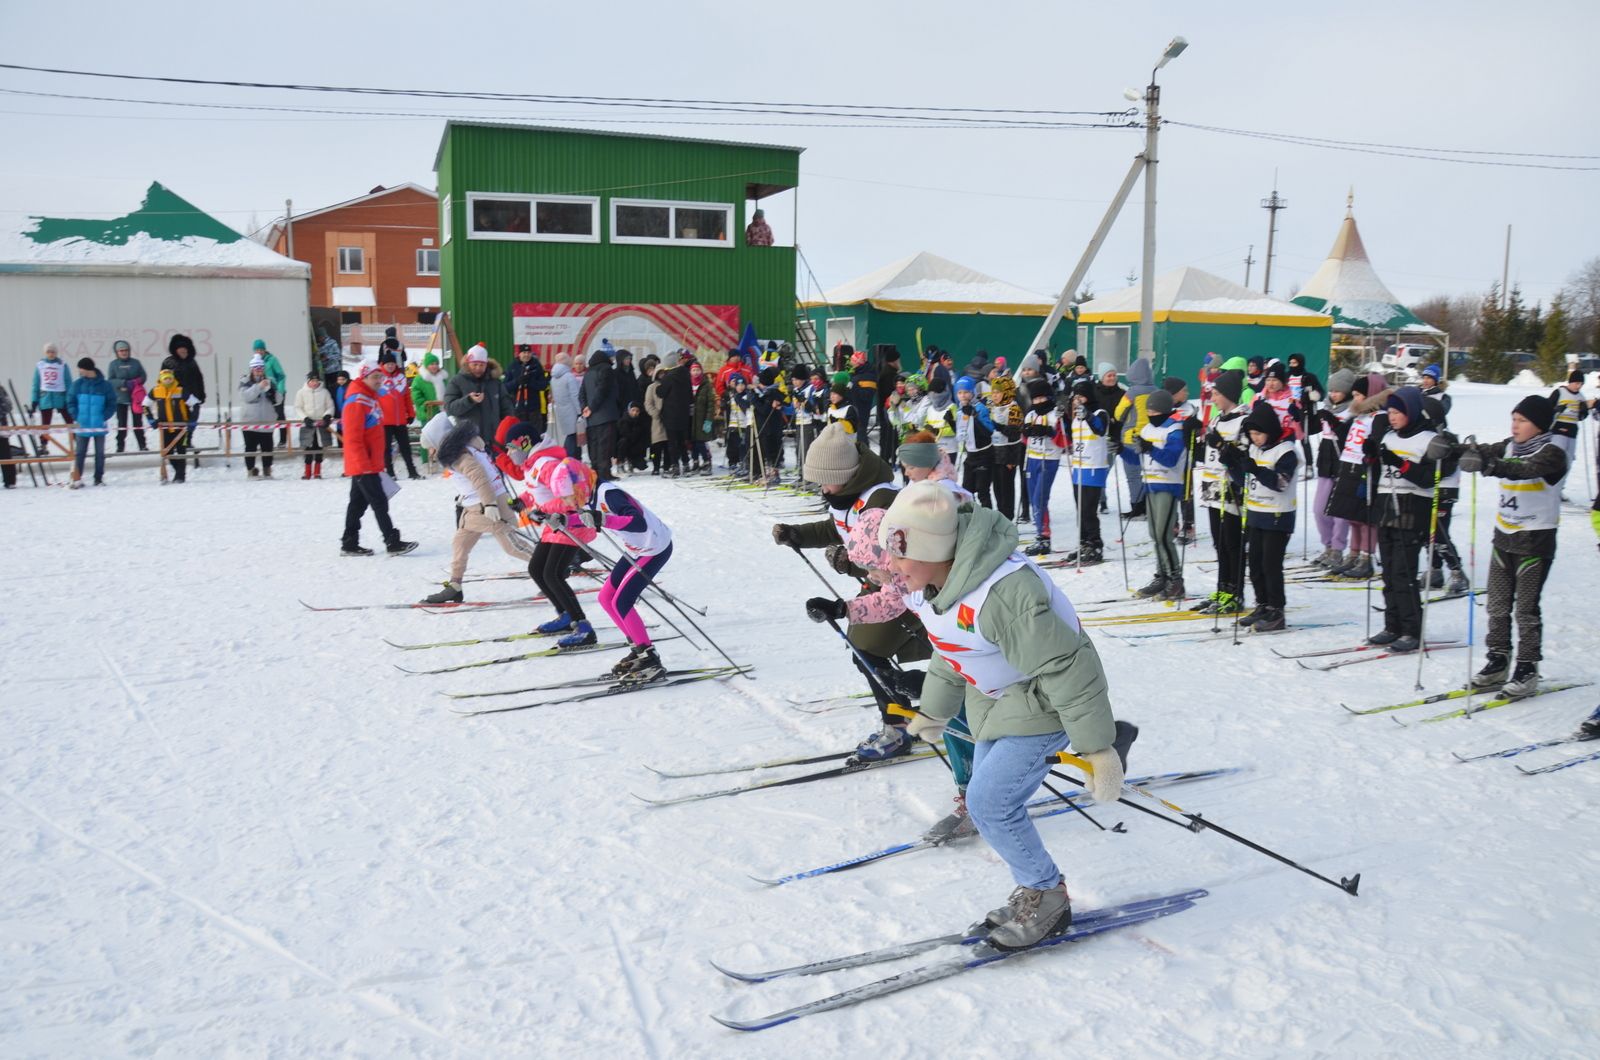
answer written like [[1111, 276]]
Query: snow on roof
[[167, 233], [1347, 288], [928, 283], [1190, 290]]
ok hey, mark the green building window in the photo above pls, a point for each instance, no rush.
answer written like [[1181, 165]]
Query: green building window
[[541, 218], [652, 221]]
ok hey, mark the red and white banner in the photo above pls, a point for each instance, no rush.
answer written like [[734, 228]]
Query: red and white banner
[[578, 327]]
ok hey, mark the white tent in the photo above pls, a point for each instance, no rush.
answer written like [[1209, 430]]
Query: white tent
[[1190, 295], [927, 283], [1347, 288], [165, 268]]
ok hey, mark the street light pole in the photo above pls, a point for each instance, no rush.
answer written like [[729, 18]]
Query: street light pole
[[1152, 128]]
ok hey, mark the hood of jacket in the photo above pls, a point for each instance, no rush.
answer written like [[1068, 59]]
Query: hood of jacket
[[459, 439], [984, 540], [1141, 373], [1372, 402]]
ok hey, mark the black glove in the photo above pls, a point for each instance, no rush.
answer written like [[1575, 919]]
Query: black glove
[[1471, 461], [1191, 425], [839, 559], [1231, 456], [1145, 445], [514, 502], [1214, 439], [822, 608], [1389, 458], [1438, 449], [327, 421], [306, 422], [784, 534]]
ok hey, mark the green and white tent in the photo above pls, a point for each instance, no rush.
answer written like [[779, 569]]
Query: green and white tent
[[1347, 288]]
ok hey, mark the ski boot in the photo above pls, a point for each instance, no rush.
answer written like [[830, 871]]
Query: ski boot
[[1157, 586], [1253, 617], [1589, 728], [889, 742], [1089, 555], [1173, 590], [1040, 547], [1496, 668], [1436, 578], [1229, 604], [1404, 644], [958, 825], [626, 663], [581, 637], [1458, 583], [1383, 638], [400, 548], [1208, 606], [346, 550], [1268, 620], [450, 594], [1524, 681], [1034, 917], [1327, 558], [562, 623], [1360, 571], [646, 668]]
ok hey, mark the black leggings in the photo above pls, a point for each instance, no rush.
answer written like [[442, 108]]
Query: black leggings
[[548, 568], [1266, 565], [1402, 600], [258, 442], [396, 436], [1227, 535]]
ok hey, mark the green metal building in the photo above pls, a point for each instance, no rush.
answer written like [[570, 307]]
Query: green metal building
[[562, 237], [1197, 313]]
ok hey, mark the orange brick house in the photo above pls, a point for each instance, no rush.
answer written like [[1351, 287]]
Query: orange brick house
[[374, 259]]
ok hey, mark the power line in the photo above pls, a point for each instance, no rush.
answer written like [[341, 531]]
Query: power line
[[1393, 151]]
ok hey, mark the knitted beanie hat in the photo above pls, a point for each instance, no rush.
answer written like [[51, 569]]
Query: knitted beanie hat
[[918, 454], [921, 524], [1537, 410], [1158, 404], [833, 458]]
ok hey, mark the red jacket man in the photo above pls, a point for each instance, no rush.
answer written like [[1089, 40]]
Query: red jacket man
[[364, 445]]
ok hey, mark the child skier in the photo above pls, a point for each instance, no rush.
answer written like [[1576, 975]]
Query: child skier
[[1090, 462], [1012, 654], [1329, 425], [1353, 497], [1530, 465], [1399, 444], [1220, 496], [974, 430], [1265, 474], [483, 504], [560, 485], [1571, 408], [314, 405], [1163, 447], [1041, 425], [1006, 443], [646, 547]]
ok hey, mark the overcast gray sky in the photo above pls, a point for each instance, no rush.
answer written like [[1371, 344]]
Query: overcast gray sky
[[1018, 204]]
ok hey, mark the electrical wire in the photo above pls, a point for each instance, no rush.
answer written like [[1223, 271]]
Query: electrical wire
[[1397, 151]]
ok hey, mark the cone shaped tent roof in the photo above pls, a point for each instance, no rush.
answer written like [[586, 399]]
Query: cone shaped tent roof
[[927, 283], [1348, 289]]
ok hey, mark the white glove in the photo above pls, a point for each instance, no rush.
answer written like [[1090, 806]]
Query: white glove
[[1105, 782], [926, 729], [192, 400], [491, 513]]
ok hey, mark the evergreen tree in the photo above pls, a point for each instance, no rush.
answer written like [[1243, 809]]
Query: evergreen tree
[[1551, 359], [1486, 363]]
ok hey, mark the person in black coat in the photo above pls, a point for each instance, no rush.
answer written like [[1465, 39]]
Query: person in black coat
[[181, 363], [628, 388], [676, 391], [527, 387], [601, 412]]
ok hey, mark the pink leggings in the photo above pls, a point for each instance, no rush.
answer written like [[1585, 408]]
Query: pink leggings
[[622, 589]]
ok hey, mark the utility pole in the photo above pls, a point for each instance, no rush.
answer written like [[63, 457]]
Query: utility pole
[[288, 225], [1152, 127], [1505, 274], [1272, 204], [1249, 260]]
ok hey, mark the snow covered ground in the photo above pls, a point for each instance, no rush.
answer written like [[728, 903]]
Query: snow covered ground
[[229, 826]]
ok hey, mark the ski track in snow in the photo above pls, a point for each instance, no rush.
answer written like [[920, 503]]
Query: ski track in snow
[[230, 826]]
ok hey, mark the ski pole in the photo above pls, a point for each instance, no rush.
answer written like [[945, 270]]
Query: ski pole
[[1122, 526], [1472, 577], [1197, 823], [807, 561], [1433, 544], [744, 671], [1244, 545]]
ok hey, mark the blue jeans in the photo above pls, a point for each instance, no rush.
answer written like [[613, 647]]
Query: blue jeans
[[1005, 774], [1041, 476], [83, 441]]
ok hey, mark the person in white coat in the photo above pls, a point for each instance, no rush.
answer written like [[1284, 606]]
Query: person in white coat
[[484, 504], [314, 406]]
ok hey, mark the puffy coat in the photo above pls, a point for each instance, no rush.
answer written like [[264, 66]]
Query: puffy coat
[[122, 374], [559, 483], [703, 425], [566, 403], [600, 391], [93, 401], [258, 401], [394, 398], [487, 413], [51, 382], [313, 403], [677, 398], [168, 404], [190, 377], [652, 409], [362, 423]]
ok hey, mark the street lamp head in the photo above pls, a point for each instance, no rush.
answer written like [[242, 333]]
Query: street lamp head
[[1131, 96], [1175, 48]]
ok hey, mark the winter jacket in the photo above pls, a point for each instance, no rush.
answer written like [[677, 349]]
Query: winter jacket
[[1405, 511], [677, 399], [394, 398], [864, 391], [528, 390], [258, 401], [487, 413], [652, 409], [275, 373], [51, 381], [331, 355], [1130, 412], [93, 401], [566, 403], [169, 404], [887, 600], [628, 390], [424, 394], [122, 374], [870, 472], [313, 403], [733, 365], [600, 391], [190, 377], [362, 427], [1438, 393], [1066, 686], [1108, 397], [703, 418], [462, 451], [1548, 462]]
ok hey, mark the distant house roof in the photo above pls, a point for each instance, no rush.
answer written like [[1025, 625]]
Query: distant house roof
[[927, 283], [272, 233], [166, 235], [1189, 295], [1347, 288]]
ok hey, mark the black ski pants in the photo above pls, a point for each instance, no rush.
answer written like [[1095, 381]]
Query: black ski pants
[[975, 478], [366, 491], [1266, 565], [1089, 515], [1402, 600], [548, 568], [1227, 532], [1516, 582]]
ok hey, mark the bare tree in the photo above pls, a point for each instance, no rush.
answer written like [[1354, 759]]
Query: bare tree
[[1455, 314], [1581, 298]]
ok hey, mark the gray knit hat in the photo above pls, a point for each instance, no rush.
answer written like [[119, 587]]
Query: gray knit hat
[[1341, 381], [918, 454], [833, 458]]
